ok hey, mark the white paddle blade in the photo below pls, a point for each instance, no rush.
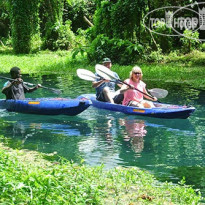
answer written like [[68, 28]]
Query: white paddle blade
[[105, 72], [158, 92], [86, 75], [103, 75]]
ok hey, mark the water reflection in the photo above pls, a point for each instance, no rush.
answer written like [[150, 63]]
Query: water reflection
[[134, 132], [20, 129], [45, 135], [103, 136], [125, 140], [101, 147]]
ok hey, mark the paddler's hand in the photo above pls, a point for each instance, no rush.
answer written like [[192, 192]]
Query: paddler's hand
[[38, 86], [155, 99], [17, 81], [131, 87], [106, 81]]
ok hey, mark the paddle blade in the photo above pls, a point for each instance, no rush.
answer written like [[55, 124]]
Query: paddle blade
[[105, 72], [158, 92], [86, 75], [56, 91]]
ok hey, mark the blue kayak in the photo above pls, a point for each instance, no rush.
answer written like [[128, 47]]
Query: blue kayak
[[160, 110], [46, 106]]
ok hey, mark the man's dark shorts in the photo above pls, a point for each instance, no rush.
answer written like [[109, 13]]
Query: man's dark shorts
[[117, 99]]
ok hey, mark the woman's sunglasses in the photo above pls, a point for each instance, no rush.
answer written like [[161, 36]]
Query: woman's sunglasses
[[137, 73]]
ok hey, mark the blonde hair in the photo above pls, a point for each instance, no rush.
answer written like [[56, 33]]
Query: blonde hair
[[134, 70]]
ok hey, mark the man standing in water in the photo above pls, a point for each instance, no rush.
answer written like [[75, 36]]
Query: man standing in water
[[15, 89], [105, 89]]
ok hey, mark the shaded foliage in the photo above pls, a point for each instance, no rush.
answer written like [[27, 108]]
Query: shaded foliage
[[118, 27], [116, 31], [4, 19], [102, 20], [119, 19], [120, 51], [58, 36], [24, 23], [51, 12], [126, 16], [76, 10]]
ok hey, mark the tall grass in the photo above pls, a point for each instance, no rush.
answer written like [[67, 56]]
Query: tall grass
[[181, 69], [172, 72], [44, 62], [28, 179]]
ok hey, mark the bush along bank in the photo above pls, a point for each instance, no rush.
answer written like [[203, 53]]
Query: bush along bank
[[27, 178]]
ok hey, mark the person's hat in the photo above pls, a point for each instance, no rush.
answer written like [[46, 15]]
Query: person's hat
[[106, 60]]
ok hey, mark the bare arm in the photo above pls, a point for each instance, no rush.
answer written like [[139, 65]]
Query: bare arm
[[6, 88], [95, 84], [10, 84], [147, 97], [124, 88], [29, 90], [119, 85]]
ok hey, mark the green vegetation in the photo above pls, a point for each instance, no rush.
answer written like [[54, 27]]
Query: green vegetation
[[123, 52], [28, 178], [114, 29], [24, 23], [173, 68], [90, 30], [44, 62]]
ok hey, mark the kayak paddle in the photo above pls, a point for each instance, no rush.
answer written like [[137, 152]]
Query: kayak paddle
[[104, 71], [86, 75], [56, 91], [158, 92]]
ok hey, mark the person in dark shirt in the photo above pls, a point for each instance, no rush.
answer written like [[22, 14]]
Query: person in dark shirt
[[105, 89], [16, 89]]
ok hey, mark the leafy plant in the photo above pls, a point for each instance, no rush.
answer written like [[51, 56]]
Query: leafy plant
[[59, 36], [164, 41], [4, 19], [24, 24], [32, 180], [154, 56], [120, 51], [76, 10], [81, 43], [203, 46], [190, 40], [119, 19]]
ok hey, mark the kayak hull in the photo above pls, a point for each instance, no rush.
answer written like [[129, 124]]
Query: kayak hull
[[160, 111], [46, 106]]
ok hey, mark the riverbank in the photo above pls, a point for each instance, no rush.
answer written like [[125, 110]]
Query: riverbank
[[27, 177], [187, 69]]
